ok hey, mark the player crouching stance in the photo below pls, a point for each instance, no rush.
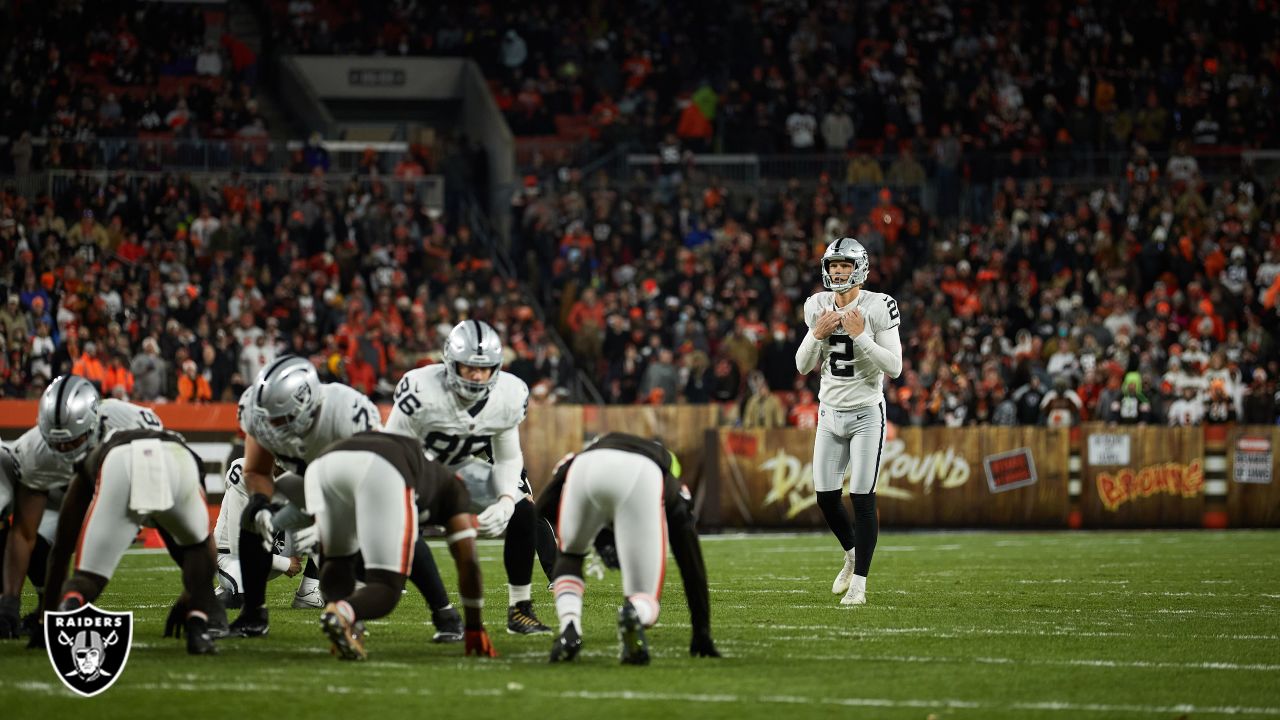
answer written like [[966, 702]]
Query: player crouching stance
[[853, 335], [369, 493], [632, 484], [135, 476]]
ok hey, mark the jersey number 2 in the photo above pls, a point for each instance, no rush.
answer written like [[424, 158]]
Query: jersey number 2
[[841, 356]]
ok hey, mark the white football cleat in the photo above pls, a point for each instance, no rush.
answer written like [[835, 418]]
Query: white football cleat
[[309, 599], [842, 580], [857, 594]]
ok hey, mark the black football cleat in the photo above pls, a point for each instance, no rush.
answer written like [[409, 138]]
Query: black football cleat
[[346, 637], [567, 646], [521, 620], [251, 623], [448, 624], [635, 646], [199, 641]]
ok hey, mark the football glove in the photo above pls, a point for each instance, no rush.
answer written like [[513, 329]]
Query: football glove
[[595, 567], [477, 643], [493, 521], [177, 620], [703, 646], [10, 616], [306, 541], [257, 519], [292, 517]]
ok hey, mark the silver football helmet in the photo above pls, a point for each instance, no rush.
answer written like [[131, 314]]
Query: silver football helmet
[[286, 402], [68, 416], [474, 343], [850, 251]]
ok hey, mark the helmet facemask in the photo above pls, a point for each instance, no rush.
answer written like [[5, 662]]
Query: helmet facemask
[[69, 415], [475, 344], [850, 251]]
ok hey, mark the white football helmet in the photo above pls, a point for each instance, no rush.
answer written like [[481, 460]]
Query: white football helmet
[[68, 416], [286, 402], [846, 250], [475, 343]]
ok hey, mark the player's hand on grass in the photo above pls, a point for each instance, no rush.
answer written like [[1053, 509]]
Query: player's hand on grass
[[478, 644]]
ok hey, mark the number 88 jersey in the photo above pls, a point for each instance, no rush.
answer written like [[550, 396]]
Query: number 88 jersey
[[849, 378], [425, 408]]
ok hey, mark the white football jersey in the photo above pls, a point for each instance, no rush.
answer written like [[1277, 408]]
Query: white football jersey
[[344, 411], [425, 408], [849, 378], [235, 499], [42, 468]]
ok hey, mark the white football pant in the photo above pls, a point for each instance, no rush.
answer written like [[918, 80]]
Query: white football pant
[[847, 438], [362, 504], [607, 486], [111, 524]]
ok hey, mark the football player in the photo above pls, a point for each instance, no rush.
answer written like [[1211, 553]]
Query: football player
[[288, 417], [71, 420], [467, 406], [853, 336], [368, 494], [44, 533], [633, 485], [136, 475], [226, 535]]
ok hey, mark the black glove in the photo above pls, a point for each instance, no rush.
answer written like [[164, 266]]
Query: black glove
[[10, 616], [703, 646], [177, 619]]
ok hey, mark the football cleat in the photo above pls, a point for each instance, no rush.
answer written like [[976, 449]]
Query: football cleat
[[566, 646], [310, 599], [841, 585], [347, 637], [199, 641], [251, 623], [448, 625], [635, 646], [30, 624], [521, 620], [857, 593]]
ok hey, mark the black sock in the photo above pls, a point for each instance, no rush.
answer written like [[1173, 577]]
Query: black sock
[[866, 530], [39, 564], [338, 577], [311, 571], [518, 550], [359, 561], [255, 566], [547, 547], [378, 597], [832, 507], [426, 576], [198, 569]]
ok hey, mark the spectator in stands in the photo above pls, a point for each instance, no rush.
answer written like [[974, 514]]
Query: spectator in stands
[[1061, 407], [1188, 410], [1260, 400], [804, 413], [118, 382], [192, 386], [149, 371], [660, 375], [763, 409], [89, 366]]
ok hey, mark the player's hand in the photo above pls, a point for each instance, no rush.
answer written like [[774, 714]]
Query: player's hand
[[477, 643], [854, 323], [10, 616], [295, 567], [177, 618], [595, 567], [265, 529], [495, 517], [292, 517], [703, 646], [306, 540], [826, 324]]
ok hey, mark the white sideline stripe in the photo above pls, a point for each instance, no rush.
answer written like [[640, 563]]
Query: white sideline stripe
[[721, 698], [1214, 463], [1215, 487], [1079, 662], [1074, 487], [978, 632]]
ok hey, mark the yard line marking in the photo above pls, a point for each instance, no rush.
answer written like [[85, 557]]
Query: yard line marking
[[1075, 662], [976, 631]]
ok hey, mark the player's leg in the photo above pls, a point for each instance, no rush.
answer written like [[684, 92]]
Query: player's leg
[[425, 575], [830, 460], [865, 447], [640, 527], [580, 520], [517, 556], [106, 533], [546, 543]]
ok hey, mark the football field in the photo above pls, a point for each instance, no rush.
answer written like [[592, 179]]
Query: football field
[[957, 625]]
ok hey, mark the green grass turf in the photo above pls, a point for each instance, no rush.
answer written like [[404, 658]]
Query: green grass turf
[[963, 625]]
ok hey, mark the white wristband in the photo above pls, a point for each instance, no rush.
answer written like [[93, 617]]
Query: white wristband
[[477, 603], [280, 563], [460, 535]]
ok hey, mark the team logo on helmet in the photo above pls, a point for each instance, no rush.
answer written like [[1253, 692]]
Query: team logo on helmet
[[88, 647]]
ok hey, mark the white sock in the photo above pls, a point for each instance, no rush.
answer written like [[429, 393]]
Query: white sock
[[848, 556], [308, 585], [518, 593], [646, 608], [568, 591]]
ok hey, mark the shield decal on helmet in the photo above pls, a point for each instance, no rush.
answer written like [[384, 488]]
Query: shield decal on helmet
[[88, 647]]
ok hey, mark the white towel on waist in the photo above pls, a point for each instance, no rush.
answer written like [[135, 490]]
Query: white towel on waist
[[150, 489]]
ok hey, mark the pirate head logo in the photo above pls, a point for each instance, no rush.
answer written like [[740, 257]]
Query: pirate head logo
[[88, 647]]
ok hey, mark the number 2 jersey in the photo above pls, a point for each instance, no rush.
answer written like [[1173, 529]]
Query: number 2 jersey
[[42, 468], [427, 410], [849, 377], [344, 411]]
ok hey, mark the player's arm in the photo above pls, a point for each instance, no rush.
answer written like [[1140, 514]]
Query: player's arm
[[405, 408], [508, 460], [682, 533], [75, 505], [462, 545], [549, 500], [28, 507], [260, 485], [885, 350], [821, 324]]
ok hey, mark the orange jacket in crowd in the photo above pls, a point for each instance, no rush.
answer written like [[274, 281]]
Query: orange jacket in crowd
[[117, 376], [193, 390], [91, 369]]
